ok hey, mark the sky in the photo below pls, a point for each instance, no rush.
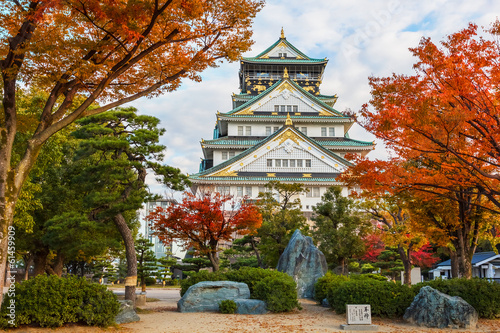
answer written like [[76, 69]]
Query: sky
[[360, 38]]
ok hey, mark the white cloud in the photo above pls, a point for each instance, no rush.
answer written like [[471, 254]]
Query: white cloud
[[360, 37]]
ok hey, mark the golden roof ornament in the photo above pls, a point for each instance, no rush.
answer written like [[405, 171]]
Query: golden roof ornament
[[285, 73], [288, 121], [282, 33]]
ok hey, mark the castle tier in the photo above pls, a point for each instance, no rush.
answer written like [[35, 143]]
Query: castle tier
[[281, 128]]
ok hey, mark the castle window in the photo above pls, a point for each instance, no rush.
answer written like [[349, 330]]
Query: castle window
[[248, 130], [239, 191], [277, 163], [276, 128], [295, 108], [331, 131], [299, 163], [288, 108], [285, 163], [283, 108], [269, 163], [231, 154], [240, 130], [292, 163], [323, 131], [304, 130], [308, 163], [248, 191], [224, 155], [268, 130], [276, 108]]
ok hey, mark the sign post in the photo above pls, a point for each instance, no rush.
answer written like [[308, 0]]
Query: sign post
[[359, 318]]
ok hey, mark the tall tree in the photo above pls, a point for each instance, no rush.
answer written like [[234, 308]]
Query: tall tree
[[282, 215], [338, 228], [443, 125], [118, 148], [203, 222], [106, 52]]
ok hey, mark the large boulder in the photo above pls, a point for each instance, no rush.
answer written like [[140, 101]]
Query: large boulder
[[206, 295], [304, 262], [127, 313], [250, 306], [432, 308]]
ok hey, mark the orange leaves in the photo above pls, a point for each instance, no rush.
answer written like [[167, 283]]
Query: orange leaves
[[203, 221]]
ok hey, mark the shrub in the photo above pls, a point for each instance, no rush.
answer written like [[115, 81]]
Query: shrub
[[368, 276], [50, 301], [269, 290], [327, 282], [482, 294], [387, 299], [227, 306], [150, 281], [279, 292]]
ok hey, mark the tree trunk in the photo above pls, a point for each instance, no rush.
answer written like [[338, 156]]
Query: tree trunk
[[28, 261], [454, 264], [58, 265], [40, 262], [405, 258], [257, 254], [128, 239]]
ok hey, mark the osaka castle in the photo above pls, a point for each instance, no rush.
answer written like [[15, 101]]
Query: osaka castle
[[281, 128]]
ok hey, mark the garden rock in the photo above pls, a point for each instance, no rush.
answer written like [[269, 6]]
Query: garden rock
[[304, 262], [206, 295], [432, 308], [127, 313], [250, 306]]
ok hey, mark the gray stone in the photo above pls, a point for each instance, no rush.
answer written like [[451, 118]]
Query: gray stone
[[140, 300], [250, 306], [325, 303], [127, 313], [304, 262], [359, 327], [432, 308], [206, 295]]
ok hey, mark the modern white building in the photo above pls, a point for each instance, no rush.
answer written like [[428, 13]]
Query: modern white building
[[280, 128]]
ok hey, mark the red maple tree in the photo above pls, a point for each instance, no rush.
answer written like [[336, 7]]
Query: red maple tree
[[203, 221]]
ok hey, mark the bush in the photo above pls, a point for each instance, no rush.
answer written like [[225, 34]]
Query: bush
[[228, 306], [279, 293], [387, 299], [150, 281], [274, 281], [327, 282], [482, 294], [50, 301], [368, 276]]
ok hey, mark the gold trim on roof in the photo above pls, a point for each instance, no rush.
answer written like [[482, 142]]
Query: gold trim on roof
[[271, 175], [289, 134], [285, 74], [282, 33], [288, 120], [306, 175], [226, 172]]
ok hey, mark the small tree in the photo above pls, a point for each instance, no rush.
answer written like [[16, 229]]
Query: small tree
[[202, 222], [281, 214], [338, 228], [146, 261], [164, 271]]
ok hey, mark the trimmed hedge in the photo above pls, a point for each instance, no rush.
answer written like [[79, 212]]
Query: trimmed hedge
[[482, 294], [273, 287], [387, 299], [228, 306], [51, 301]]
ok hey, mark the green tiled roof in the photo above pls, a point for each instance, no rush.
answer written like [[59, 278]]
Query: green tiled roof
[[294, 61], [228, 115], [253, 142], [268, 90], [289, 45], [266, 179], [326, 96], [263, 142]]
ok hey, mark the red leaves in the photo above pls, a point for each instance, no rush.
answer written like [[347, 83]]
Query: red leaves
[[204, 221]]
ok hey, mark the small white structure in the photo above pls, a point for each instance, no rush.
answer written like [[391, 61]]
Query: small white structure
[[484, 265], [416, 275], [359, 318]]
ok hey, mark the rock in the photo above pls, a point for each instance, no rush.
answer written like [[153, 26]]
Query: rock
[[206, 295], [325, 303], [304, 262], [127, 313], [432, 308], [250, 306]]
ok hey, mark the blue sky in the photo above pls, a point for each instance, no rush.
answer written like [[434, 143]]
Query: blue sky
[[359, 37]]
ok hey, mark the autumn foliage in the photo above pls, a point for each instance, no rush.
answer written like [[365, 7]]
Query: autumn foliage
[[203, 222]]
